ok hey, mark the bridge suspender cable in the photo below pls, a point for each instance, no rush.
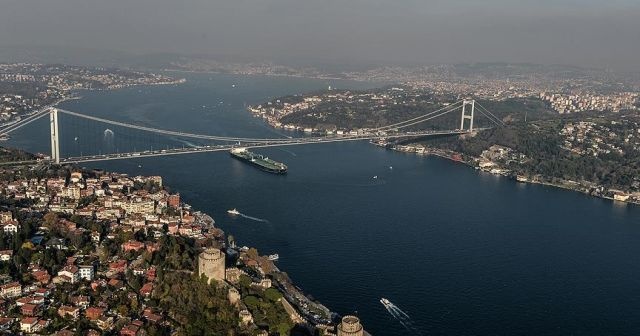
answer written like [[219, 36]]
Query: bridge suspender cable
[[449, 110], [24, 122], [374, 133], [168, 132], [403, 124], [399, 124], [493, 117]]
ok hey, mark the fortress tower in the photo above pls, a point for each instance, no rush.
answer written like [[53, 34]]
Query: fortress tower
[[350, 326], [211, 264]]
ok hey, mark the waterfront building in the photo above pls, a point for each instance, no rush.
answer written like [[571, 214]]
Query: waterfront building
[[211, 264], [350, 326]]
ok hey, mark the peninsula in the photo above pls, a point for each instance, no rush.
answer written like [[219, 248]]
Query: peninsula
[[94, 252]]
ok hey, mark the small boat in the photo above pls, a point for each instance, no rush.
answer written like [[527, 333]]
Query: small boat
[[375, 177], [385, 302], [273, 257], [233, 211]]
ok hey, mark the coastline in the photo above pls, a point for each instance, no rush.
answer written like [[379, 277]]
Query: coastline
[[309, 312], [41, 109], [471, 162], [72, 96], [267, 75], [586, 188], [295, 297]]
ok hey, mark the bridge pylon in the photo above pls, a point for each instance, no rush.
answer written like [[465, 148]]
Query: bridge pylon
[[55, 144], [469, 116]]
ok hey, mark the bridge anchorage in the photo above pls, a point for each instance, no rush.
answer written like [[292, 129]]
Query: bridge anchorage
[[397, 130]]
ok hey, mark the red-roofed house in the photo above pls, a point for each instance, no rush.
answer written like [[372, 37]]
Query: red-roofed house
[[71, 272], [41, 277], [93, 313], [30, 309], [68, 311], [132, 245], [29, 324], [118, 266], [6, 322], [146, 289], [132, 329], [151, 274], [11, 290], [116, 283]]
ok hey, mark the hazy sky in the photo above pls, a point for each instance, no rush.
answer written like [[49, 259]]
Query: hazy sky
[[604, 33]]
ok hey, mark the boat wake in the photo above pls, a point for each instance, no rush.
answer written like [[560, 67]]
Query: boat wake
[[253, 218], [288, 151], [402, 317]]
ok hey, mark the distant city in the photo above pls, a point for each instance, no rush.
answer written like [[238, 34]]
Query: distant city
[[25, 88]]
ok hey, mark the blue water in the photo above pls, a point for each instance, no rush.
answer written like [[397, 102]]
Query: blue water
[[460, 251]]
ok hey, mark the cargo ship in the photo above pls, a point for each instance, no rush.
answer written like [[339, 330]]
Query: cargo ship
[[260, 161]]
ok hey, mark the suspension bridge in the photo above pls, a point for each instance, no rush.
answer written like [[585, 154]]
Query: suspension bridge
[[400, 130]]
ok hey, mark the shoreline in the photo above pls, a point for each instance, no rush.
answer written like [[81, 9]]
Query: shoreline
[[299, 305], [294, 294], [296, 299], [273, 75], [518, 179], [73, 96]]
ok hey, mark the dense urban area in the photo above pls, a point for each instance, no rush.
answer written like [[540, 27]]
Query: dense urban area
[[572, 130], [92, 252], [27, 88], [89, 252]]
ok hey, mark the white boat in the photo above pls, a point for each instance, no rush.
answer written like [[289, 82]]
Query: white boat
[[273, 257], [233, 211], [385, 302]]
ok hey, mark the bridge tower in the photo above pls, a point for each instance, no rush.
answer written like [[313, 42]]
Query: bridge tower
[[55, 144], [465, 116]]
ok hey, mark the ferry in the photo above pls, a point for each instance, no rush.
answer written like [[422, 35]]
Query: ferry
[[273, 257], [233, 211]]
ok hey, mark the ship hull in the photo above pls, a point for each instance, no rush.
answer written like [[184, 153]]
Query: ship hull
[[259, 165]]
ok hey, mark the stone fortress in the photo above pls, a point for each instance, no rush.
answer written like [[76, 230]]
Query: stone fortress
[[350, 326], [211, 263]]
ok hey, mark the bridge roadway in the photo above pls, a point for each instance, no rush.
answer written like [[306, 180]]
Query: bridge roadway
[[276, 143]]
